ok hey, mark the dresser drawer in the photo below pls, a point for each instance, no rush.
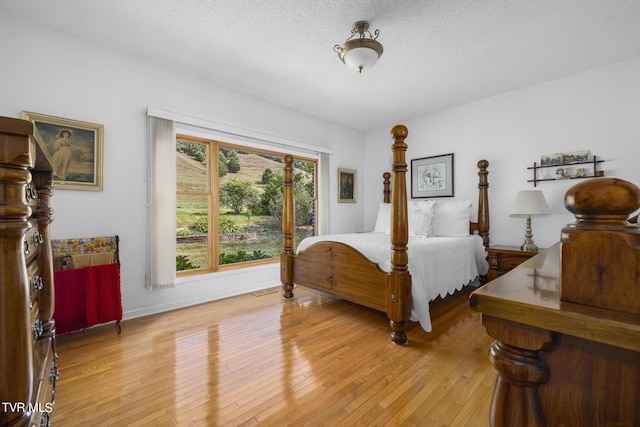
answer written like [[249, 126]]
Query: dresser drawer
[[509, 262], [503, 259]]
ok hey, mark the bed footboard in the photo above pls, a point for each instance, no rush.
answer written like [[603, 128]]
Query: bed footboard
[[342, 271]]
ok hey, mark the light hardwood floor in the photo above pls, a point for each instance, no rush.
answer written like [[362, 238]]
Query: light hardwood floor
[[251, 360]]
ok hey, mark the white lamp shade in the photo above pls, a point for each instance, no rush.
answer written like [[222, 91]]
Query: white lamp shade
[[530, 202], [361, 58]]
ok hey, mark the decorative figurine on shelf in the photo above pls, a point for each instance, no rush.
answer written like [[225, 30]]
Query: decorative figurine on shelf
[[561, 174], [580, 172]]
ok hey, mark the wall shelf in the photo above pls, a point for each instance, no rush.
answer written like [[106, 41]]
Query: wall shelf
[[594, 174]]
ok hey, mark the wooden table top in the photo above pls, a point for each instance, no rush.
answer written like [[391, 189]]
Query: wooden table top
[[530, 294]]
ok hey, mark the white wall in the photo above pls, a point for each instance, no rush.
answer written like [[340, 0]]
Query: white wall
[[49, 72], [598, 110]]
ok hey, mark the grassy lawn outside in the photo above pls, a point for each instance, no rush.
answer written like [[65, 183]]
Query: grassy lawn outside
[[197, 252], [259, 236]]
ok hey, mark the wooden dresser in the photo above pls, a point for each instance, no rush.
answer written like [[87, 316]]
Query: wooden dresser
[[28, 370], [567, 321]]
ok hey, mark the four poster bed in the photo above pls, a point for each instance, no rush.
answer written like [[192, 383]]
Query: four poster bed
[[441, 263]]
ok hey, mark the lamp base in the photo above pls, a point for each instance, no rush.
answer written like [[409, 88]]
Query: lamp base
[[528, 245]]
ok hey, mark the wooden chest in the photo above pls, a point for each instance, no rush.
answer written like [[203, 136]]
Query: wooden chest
[[27, 331]]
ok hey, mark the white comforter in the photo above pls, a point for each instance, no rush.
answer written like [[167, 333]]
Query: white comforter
[[438, 265]]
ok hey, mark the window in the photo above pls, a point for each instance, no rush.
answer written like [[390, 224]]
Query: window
[[229, 211]]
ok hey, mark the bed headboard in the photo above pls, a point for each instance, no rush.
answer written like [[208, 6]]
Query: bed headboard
[[481, 226]]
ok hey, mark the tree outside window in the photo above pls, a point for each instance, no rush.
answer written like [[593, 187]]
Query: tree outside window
[[230, 213]]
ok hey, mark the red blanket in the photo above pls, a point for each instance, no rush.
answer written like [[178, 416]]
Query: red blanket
[[87, 296], [70, 314], [102, 287]]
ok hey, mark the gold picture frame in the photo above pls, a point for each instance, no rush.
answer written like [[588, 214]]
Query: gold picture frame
[[347, 185], [75, 149]]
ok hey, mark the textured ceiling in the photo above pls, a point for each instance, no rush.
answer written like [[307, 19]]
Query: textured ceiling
[[437, 53]]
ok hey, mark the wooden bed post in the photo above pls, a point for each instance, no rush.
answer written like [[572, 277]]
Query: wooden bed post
[[387, 187], [483, 202], [482, 225], [399, 279], [288, 230]]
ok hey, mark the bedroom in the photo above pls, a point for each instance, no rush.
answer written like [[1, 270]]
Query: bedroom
[[53, 72]]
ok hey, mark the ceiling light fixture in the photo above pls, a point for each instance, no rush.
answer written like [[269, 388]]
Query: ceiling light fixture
[[361, 52]]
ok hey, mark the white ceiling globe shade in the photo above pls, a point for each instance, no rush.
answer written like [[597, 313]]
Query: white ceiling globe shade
[[361, 58]]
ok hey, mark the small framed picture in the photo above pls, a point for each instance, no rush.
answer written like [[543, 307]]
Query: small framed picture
[[554, 159], [432, 176], [347, 185], [75, 149], [575, 157]]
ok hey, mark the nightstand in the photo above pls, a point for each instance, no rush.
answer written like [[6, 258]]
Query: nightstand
[[505, 258]]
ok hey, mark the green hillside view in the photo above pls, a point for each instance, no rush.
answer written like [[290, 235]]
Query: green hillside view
[[249, 222]]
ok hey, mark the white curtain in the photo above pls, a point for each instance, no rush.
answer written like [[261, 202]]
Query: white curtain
[[323, 194], [161, 204]]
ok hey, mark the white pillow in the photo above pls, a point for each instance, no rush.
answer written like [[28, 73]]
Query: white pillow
[[383, 222], [451, 218], [420, 217]]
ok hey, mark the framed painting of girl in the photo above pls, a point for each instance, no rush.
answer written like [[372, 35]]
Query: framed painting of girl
[[75, 149]]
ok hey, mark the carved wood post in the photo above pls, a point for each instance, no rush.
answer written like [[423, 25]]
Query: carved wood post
[[483, 207], [387, 187], [43, 182], [608, 277], [483, 202], [515, 397], [288, 230], [399, 282], [515, 355], [16, 358]]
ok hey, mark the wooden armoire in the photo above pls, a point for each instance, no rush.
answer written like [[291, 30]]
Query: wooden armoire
[[28, 370]]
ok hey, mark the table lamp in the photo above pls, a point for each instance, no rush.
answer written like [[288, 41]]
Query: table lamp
[[529, 203]]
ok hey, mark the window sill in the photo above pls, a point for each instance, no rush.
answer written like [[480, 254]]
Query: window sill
[[229, 272]]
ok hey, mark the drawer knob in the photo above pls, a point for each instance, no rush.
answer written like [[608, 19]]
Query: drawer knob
[[30, 193], [36, 283], [44, 421], [37, 329], [37, 238], [53, 373]]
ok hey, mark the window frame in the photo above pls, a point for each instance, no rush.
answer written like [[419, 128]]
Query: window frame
[[212, 194], [213, 146]]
